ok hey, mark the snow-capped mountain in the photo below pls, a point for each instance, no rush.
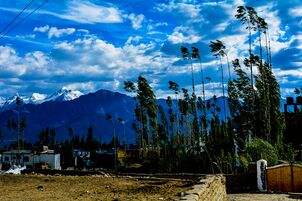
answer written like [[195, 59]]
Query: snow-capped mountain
[[10, 103], [64, 95], [79, 114], [2, 101], [37, 98]]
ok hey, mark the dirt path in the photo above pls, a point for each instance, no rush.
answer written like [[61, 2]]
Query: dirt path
[[264, 197], [70, 188]]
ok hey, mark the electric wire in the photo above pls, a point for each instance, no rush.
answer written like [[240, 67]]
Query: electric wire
[[27, 16], [16, 16]]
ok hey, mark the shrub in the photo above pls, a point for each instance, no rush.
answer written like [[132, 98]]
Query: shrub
[[261, 149]]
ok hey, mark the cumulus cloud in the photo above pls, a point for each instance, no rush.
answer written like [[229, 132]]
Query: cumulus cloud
[[181, 9], [136, 20], [90, 13], [94, 58], [89, 61], [56, 32], [133, 39], [296, 12], [182, 34], [276, 31], [82, 86], [41, 29], [11, 64]]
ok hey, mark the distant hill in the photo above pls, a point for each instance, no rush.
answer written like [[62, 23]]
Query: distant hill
[[36, 98], [67, 108], [79, 114]]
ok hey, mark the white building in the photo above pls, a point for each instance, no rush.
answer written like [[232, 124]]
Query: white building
[[25, 157], [49, 157], [29, 159]]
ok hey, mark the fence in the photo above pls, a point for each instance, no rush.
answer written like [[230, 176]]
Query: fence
[[284, 178]]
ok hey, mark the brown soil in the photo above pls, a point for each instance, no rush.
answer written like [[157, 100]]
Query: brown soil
[[37, 187]]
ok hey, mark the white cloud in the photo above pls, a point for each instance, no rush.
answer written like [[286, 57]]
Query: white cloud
[[184, 35], [82, 86], [221, 27], [42, 29], [276, 31], [158, 24], [296, 12], [32, 63], [54, 31], [84, 31], [36, 60], [30, 36], [87, 12], [186, 10], [293, 72], [10, 62], [136, 20], [133, 39], [93, 57], [236, 45]]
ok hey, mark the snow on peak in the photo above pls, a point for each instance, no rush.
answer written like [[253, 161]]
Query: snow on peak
[[64, 94], [2, 101], [37, 98]]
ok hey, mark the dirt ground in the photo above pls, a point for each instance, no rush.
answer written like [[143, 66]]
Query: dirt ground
[[36, 187], [264, 197]]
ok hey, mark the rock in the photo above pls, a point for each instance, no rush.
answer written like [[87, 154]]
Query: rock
[[40, 187]]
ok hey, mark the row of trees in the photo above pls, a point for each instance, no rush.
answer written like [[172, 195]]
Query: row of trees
[[188, 129], [192, 128]]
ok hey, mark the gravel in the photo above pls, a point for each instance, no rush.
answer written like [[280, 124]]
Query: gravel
[[264, 197]]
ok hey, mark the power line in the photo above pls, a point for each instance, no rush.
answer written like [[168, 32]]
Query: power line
[[16, 16], [27, 16]]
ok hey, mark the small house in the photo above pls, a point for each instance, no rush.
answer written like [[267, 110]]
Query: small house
[[48, 157], [23, 157], [30, 159]]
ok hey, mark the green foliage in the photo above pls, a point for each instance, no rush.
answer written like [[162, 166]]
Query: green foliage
[[243, 162], [224, 162], [261, 149], [286, 152]]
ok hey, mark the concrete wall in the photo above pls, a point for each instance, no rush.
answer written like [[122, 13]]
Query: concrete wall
[[53, 160], [210, 188], [12, 157]]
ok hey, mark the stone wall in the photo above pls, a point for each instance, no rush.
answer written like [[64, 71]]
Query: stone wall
[[209, 188]]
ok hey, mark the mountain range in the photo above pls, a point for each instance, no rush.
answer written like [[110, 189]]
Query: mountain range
[[37, 98], [72, 109]]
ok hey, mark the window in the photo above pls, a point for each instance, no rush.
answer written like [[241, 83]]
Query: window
[[6, 158], [25, 159]]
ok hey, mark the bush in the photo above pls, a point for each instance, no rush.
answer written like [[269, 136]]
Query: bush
[[243, 162], [286, 152], [261, 149]]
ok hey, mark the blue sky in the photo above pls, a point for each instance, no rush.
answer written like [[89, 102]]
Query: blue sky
[[92, 44]]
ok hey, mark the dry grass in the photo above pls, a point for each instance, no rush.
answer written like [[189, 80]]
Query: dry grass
[[36, 187]]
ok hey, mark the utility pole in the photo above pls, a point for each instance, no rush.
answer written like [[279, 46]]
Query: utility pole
[[18, 103]]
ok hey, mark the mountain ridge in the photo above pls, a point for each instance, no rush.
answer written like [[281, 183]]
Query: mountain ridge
[[37, 98], [80, 113]]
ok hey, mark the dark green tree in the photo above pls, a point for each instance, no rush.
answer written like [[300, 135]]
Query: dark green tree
[[122, 122], [248, 16], [218, 50], [149, 107], [22, 129], [186, 55]]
